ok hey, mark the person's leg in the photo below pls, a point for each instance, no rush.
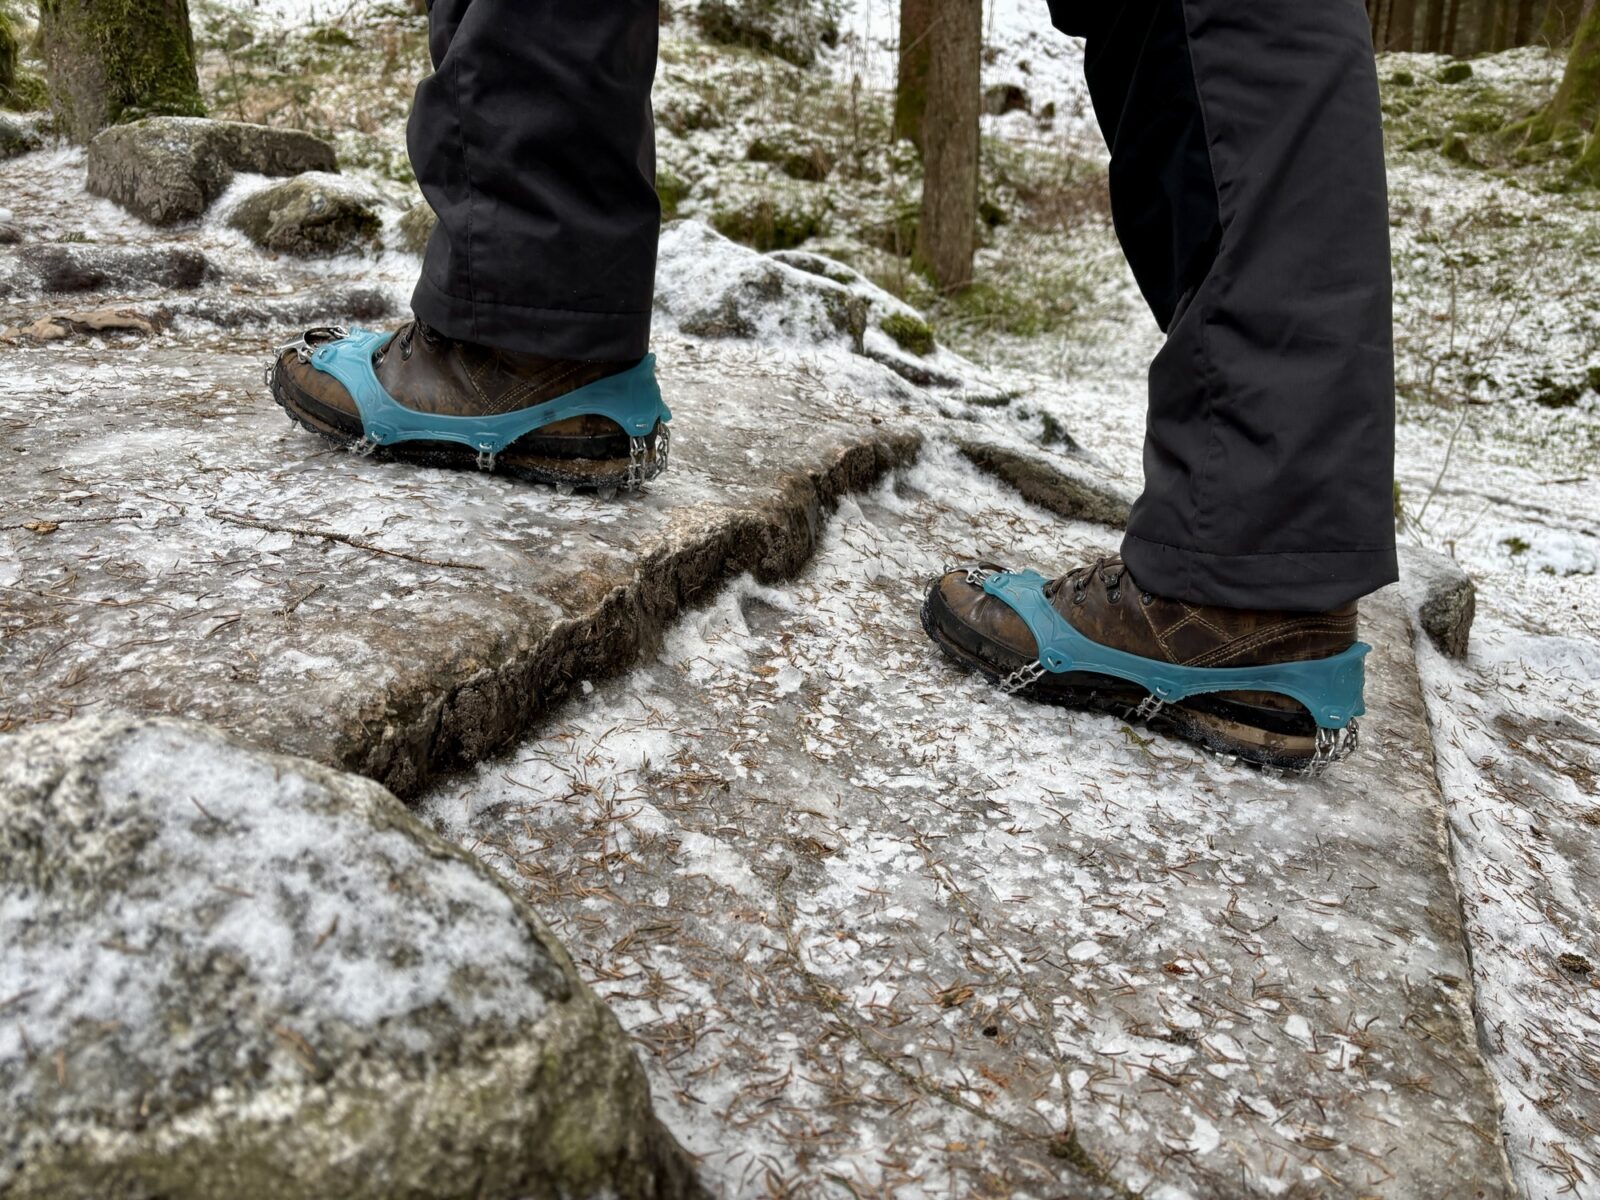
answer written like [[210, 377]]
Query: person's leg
[[1248, 192], [533, 142], [1247, 185]]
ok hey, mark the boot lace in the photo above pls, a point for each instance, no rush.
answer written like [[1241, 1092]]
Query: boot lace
[[1109, 569]]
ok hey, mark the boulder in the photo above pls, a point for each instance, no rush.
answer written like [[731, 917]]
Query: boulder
[[793, 30], [1442, 596], [228, 973], [18, 135], [169, 169], [314, 213]]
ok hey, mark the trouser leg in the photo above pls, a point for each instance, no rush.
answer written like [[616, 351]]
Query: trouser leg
[[533, 142], [1248, 190]]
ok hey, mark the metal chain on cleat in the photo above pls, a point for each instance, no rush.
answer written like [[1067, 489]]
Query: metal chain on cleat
[[485, 459], [1149, 707], [976, 575], [305, 344], [663, 448], [1024, 676], [638, 461], [1333, 746], [363, 447]]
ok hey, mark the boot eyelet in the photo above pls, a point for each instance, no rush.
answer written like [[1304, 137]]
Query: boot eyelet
[[1147, 599], [1079, 597], [1114, 595]]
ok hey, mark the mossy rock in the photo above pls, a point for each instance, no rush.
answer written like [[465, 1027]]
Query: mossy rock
[[1457, 149], [767, 224], [314, 213], [910, 333], [169, 169], [17, 136], [670, 191], [1402, 79], [793, 30], [810, 162], [1456, 72]]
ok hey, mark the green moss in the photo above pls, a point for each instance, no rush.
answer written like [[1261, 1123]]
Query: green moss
[[769, 224], [1402, 79], [909, 333], [1516, 545], [330, 35], [1457, 149], [812, 162], [112, 61], [670, 190], [1456, 72]]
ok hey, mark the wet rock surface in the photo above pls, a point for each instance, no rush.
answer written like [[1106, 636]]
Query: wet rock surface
[[878, 924], [313, 213], [77, 267], [170, 169], [231, 974]]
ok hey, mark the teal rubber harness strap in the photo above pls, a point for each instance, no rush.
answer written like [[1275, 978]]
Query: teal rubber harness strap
[[631, 398], [1330, 688]]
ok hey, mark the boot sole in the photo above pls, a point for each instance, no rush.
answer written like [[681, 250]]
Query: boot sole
[[1264, 738], [579, 474]]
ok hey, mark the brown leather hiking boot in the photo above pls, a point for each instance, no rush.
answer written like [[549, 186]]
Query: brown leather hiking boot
[[1104, 603], [423, 370]]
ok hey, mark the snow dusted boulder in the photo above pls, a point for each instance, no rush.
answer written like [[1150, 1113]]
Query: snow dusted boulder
[[18, 135], [711, 287], [314, 213], [169, 169], [1442, 596], [234, 974]]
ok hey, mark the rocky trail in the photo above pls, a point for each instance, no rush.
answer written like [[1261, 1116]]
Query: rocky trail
[[872, 928]]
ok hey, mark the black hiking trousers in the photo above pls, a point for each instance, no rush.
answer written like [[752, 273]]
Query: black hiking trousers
[[1247, 188]]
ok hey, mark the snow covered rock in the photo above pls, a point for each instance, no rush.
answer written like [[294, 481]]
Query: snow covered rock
[[234, 974], [18, 135], [711, 287], [1442, 595], [169, 169], [313, 213]]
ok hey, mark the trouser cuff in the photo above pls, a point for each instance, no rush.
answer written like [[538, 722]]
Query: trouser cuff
[[1295, 581], [551, 332]]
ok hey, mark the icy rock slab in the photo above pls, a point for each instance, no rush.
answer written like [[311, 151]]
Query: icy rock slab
[[876, 925], [170, 169], [172, 545], [313, 213], [234, 974]]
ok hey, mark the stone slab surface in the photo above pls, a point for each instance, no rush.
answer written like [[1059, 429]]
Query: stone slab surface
[[882, 931], [170, 544]]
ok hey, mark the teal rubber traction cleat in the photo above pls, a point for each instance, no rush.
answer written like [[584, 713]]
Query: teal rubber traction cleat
[[1331, 689]]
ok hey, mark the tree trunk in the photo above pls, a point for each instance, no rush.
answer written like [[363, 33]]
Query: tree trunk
[[1561, 19], [1523, 34], [1452, 28], [1577, 100], [948, 233], [911, 79], [1433, 27], [1402, 25], [110, 61]]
